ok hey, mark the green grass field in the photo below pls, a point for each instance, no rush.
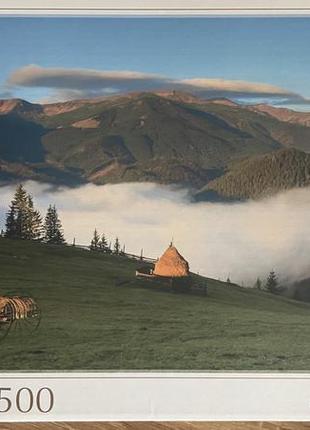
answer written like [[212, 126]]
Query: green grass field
[[97, 316]]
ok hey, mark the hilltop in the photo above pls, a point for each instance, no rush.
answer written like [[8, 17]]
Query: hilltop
[[165, 137], [96, 315], [260, 176], [283, 114]]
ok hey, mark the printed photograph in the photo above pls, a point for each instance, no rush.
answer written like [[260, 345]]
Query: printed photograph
[[155, 194]]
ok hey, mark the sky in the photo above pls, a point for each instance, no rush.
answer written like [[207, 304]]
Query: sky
[[246, 59]]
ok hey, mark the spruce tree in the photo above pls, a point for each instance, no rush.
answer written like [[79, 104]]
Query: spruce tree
[[16, 217], [23, 221], [104, 243], [95, 242], [53, 228], [10, 222], [33, 221], [117, 246], [272, 283]]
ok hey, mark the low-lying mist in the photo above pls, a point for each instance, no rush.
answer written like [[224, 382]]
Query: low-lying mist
[[241, 241]]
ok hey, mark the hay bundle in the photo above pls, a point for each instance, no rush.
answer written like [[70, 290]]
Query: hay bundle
[[3, 302], [171, 264], [18, 307], [6, 310]]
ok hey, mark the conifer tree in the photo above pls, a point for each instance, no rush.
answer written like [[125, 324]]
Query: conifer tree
[[104, 243], [10, 222], [272, 283], [23, 221], [53, 228], [95, 242], [117, 246], [33, 221], [16, 217]]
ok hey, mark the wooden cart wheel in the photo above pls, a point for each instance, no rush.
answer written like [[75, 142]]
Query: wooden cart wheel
[[27, 324], [6, 320]]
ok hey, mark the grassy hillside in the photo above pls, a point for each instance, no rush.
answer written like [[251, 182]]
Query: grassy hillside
[[261, 176], [96, 315]]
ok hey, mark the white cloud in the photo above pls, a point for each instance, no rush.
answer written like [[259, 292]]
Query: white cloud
[[242, 240], [80, 79], [233, 86], [73, 83]]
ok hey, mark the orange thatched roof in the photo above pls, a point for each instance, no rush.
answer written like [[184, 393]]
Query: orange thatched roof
[[171, 264]]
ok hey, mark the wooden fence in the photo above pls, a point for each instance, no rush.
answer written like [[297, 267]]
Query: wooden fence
[[125, 254]]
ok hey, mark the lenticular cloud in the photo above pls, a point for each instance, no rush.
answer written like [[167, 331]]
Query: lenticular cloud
[[79, 83]]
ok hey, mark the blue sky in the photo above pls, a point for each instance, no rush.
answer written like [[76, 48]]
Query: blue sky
[[272, 51]]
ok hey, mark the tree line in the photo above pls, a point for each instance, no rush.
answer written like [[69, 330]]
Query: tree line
[[263, 175], [24, 221], [271, 285], [100, 243]]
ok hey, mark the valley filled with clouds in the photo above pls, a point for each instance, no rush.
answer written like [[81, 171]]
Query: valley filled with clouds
[[241, 240]]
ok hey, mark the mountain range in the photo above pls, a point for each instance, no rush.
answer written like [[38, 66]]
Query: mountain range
[[216, 147]]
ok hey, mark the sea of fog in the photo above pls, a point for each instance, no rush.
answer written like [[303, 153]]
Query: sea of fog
[[241, 241]]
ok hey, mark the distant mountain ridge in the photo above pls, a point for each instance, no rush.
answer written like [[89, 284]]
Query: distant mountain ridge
[[283, 114], [260, 176], [165, 137]]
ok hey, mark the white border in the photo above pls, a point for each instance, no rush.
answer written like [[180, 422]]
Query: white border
[[155, 7], [133, 396], [166, 397]]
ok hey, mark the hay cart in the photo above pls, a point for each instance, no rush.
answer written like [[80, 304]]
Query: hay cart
[[18, 313]]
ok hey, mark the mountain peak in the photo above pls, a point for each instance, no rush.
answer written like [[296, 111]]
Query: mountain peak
[[180, 96], [17, 105]]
